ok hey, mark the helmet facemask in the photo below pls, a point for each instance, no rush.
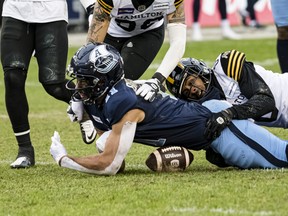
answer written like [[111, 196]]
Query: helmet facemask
[[186, 68], [197, 92]]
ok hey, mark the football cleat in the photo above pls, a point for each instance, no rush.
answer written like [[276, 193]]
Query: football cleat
[[88, 131], [22, 162], [230, 34]]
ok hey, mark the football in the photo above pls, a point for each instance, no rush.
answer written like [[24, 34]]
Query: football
[[169, 159]]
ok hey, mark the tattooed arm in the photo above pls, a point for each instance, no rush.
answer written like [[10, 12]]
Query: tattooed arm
[[178, 16], [99, 25]]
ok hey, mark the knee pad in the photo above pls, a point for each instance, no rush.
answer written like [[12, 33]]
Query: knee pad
[[15, 77], [58, 91], [282, 33]]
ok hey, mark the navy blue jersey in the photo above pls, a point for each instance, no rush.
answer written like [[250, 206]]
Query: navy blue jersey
[[168, 121]]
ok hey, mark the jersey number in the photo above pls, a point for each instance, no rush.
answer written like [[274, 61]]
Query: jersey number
[[130, 25]]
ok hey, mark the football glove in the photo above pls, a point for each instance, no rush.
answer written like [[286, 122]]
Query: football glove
[[75, 111], [149, 89], [57, 150], [216, 123]]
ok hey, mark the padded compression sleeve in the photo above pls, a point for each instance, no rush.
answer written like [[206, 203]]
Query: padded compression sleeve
[[177, 38], [125, 143]]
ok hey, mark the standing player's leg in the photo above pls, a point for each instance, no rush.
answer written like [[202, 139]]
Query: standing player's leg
[[17, 45], [51, 53], [279, 10], [139, 51]]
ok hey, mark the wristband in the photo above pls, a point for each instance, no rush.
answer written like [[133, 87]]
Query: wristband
[[159, 76]]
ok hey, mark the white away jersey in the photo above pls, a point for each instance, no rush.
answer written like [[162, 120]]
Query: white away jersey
[[127, 20], [276, 82], [36, 11]]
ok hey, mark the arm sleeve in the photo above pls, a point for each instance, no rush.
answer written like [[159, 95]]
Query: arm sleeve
[[260, 98]]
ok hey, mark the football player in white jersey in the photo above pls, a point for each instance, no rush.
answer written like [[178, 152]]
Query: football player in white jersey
[[136, 29], [29, 26], [255, 92]]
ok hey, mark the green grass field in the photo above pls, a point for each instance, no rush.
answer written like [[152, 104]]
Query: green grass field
[[202, 189]]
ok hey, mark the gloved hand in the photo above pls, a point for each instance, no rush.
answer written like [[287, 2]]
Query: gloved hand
[[149, 89], [75, 111], [57, 150], [216, 123]]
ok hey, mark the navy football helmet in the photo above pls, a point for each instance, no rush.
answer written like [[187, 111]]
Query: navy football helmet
[[185, 68], [97, 68]]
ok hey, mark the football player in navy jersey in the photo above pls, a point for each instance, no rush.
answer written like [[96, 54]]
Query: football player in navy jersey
[[124, 117], [136, 28]]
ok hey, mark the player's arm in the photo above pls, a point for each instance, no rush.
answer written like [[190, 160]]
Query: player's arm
[[252, 86], [116, 148], [176, 29], [260, 98], [99, 23]]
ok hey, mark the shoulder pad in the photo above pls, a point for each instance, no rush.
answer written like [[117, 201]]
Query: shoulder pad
[[232, 63]]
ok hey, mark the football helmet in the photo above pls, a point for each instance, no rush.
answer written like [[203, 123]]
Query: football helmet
[[185, 68], [97, 67]]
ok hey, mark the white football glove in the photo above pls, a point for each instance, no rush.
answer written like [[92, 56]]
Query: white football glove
[[149, 88], [75, 110], [57, 150]]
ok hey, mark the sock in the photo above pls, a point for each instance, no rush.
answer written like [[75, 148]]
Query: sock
[[25, 146]]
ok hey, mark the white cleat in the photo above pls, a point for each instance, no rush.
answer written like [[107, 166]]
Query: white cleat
[[22, 162], [88, 131], [196, 32], [228, 33]]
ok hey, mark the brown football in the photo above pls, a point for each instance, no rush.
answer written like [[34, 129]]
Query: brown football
[[169, 159]]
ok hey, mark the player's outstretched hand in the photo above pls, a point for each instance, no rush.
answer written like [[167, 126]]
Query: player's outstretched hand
[[216, 123], [57, 150], [148, 89]]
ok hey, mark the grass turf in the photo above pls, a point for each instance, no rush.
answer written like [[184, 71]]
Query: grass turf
[[202, 189]]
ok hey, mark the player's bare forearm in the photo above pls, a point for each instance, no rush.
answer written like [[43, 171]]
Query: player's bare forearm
[[99, 25], [178, 16]]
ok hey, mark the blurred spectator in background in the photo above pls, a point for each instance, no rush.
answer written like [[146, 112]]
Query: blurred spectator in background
[[248, 15], [280, 14], [227, 32]]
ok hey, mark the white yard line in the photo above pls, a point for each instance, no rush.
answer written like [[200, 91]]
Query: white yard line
[[227, 211]]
